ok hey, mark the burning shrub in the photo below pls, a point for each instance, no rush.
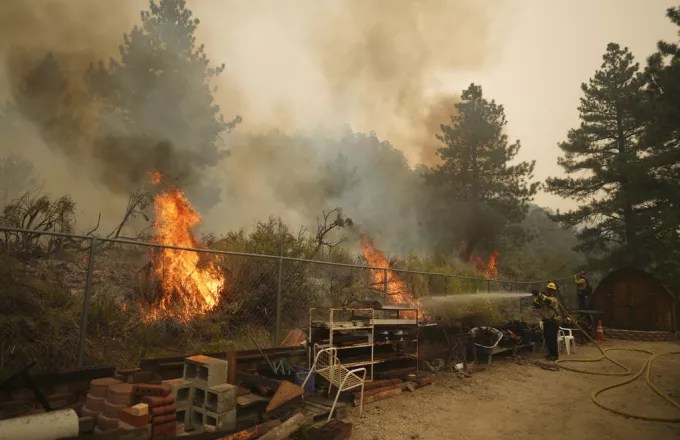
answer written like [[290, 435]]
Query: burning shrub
[[37, 212]]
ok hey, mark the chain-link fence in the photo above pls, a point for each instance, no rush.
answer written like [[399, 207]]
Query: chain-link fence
[[72, 300]]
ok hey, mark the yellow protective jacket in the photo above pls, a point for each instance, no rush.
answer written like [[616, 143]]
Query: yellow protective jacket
[[548, 307], [582, 285]]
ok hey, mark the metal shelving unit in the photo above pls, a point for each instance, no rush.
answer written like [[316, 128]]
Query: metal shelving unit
[[358, 319], [353, 319], [402, 323]]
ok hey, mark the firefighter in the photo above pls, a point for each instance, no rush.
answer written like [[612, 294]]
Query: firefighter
[[584, 290], [550, 316]]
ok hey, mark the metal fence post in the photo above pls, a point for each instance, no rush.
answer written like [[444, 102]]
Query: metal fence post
[[385, 282], [277, 333], [86, 303]]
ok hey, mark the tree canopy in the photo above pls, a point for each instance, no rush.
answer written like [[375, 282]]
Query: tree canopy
[[158, 99], [477, 175], [605, 156]]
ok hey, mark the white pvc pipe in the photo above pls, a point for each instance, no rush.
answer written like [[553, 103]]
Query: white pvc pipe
[[46, 426]]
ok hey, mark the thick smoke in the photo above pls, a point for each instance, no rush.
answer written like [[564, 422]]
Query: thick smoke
[[292, 71], [55, 66]]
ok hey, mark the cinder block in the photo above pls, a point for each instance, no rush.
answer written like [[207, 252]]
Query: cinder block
[[182, 390], [221, 398], [180, 429], [183, 418], [206, 420], [217, 399], [199, 397], [205, 371]]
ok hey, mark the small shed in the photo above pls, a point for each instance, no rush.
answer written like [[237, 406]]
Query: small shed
[[632, 299]]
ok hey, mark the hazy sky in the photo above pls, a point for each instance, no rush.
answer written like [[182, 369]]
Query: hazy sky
[[549, 50], [537, 53]]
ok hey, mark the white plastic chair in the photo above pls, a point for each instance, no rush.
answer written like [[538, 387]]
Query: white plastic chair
[[327, 365], [564, 335], [564, 338]]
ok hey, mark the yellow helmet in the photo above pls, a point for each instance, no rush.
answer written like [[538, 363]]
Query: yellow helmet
[[551, 286]]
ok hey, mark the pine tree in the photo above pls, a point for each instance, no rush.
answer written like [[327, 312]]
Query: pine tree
[[476, 176], [605, 153], [663, 161], [158, 97]]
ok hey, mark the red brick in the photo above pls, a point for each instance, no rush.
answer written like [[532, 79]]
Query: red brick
[[94, 403], [112, 410], [154, 401], [106, 423], [169, 429], [145, 389], [161, 420], [160, 410], [120, 394], [99, 387], [126, 416]]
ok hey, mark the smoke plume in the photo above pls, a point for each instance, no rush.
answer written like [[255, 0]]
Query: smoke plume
[[299, 73]]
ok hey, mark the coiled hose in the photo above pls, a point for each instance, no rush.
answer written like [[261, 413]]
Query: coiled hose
[[647, 366]]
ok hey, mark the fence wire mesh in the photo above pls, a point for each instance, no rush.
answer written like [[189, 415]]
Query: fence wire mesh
[[63, 308]]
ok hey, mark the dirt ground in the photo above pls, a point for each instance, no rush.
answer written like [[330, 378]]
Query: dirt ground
[[511, 401]]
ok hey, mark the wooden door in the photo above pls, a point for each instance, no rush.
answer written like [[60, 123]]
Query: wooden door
[[621, 306], [642, 306]]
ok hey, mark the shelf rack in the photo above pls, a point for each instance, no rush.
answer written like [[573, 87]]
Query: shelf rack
[[353, 319], [325, 329]]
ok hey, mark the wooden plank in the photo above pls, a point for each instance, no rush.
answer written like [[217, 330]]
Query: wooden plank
[[323, 401], [253, 432], [294, 338], [381, 383], [373, 392], [285, 429], [286, 392], [380, 396], [250, 400]]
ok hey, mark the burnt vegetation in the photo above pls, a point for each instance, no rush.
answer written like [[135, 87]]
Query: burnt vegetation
[[152, 108]]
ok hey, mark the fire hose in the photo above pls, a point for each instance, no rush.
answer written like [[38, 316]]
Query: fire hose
[[646, 367]]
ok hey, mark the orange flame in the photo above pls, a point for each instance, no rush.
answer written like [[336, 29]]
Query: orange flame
[[396, 289], [188, 287], [488, 270], [491, 270]]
